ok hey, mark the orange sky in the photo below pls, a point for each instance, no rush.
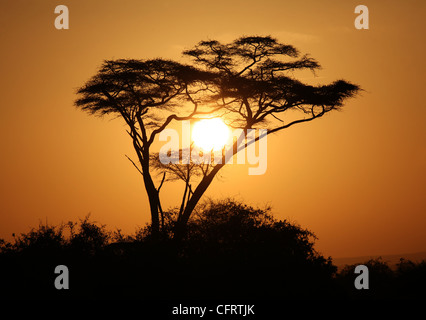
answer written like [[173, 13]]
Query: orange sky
[[356, 178]]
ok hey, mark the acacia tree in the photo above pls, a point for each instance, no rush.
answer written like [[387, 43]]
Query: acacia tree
[[250, 82], [145, 94]]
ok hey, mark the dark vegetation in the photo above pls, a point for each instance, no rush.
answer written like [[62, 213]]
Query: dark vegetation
[[231, 251]]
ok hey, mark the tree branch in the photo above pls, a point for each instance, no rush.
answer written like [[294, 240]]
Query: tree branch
[[134, 164]]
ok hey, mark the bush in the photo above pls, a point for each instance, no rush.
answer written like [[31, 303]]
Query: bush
[[251, 254], [406, 281], [231, 250]]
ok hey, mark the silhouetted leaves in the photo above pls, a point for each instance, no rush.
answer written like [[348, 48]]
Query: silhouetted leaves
[[257, 82]]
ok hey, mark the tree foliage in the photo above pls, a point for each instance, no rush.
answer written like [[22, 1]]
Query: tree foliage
[[258, 85]]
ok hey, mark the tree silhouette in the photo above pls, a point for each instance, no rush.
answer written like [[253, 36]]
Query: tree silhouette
[[186, 170], [248, 82]]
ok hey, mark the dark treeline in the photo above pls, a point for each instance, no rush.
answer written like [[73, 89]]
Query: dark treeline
[[231, 251]]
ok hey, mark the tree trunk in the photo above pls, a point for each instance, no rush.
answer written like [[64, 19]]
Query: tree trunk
[[154, 203], [180, 228]]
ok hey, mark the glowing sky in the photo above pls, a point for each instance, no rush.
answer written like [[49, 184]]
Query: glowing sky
[[356, 178]]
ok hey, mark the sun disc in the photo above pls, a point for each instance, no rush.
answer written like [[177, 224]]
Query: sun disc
[[210, 134]]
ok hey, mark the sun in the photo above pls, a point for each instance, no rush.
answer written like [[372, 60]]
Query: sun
[[210, 134]]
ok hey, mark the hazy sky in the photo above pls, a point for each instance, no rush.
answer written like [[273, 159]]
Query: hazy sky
[[356, 178]]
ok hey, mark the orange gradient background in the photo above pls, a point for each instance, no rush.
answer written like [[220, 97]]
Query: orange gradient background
[[356, 178]]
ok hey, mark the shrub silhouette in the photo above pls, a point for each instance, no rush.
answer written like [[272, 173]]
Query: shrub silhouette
[[411, 279], [380, 279], [45, 238], [90, 237], [237, 250], [232, 250], [406, 281]]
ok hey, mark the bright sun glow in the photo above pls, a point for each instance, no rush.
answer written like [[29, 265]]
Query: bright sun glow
[[210, 134]]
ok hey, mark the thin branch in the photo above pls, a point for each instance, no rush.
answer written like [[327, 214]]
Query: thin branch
[[162, 181], [276, 117], [134, 164]]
